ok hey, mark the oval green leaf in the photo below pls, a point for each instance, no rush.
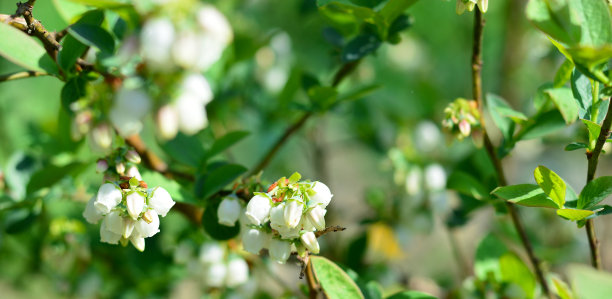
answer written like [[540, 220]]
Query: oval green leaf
[[574, 214], [335, 283], [24, 51], [526, 195], [93, 36], [552, 184]]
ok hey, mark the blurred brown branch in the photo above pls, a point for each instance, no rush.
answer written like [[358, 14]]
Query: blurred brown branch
[[21, 75]]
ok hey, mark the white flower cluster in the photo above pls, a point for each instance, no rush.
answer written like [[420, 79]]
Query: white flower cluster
[[284, 219], [222, 269]]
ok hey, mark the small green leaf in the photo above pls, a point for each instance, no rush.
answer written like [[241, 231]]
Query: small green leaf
[[564, 100], [23, 50], [226, 142], [574, 214], [526, 195], [564, 73], [210, 222], [295, 177], [394, 8], [72, 49], [218, 178], [575, 145], [466, 184], [93, 36], [360, 46], [594, 130], [322, 97], [594, 192], [503, 115], [411, 295], [336, 284], [514, 270], [72, 91], [359, 93], [186, 149], [552, 184]]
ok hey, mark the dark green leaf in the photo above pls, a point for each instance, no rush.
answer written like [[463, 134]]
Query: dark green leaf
[[19, 221], [594, 192], [19, 170], [218, 178], [226, 142], [488, 253], [564, 101], [50, 175], [93, 36], [358, 93], [23, 50], [526, 195], [411, 295], [186, 149], [322, 97], [336, 284], [466, 184], [552, 184], [360, 46], [542, 124], [575, 145], [72, 49], [211, 225], [72, 91], [394, 8]]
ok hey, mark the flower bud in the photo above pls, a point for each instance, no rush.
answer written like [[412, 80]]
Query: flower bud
[[280, 250], [460, 9], [237, 272], [211, 253], [101, 166], [413, 181], [160, 201], [316, 216], [191, 114], [253, 240], [135, 204], [214, 23], [186, 50], [464, 128], [133, 173], [197, 85], [483, 5], [229, 211], [293, 213], [128, 227], [322, 194], [310, 241], [138, 242], [258, 209], [108, 197], [91, 214], [215, 275], [148, 226], [102, 136], [120, 168], [132, 156], [167, 122]]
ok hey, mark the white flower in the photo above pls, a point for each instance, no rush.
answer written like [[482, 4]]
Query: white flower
[[135, 204], [160, 201], [310, 242], [322, 194], [197, 85], [215, 275], [258, 209], [229, 211], [435, 177], [277, 216], [483, 5], [129, 107], [91, 214], [253, 240], [133, 172], [293, 212], [120, 168], [191, 113], [214, 23], [413, 181], [428, 136], [102, 136], [211, 253], [212, 54], [114, 223], [128, 227], [237, 272], [156, 38], [167, 122], [316, 217], [138, 242], [186, 50], [108, 197], [148, 225], [280, 250], [108, 236]]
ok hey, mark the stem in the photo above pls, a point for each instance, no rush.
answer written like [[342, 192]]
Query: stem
[[21, 75], [479, 23], [342, 73], [313, 286], [593, 159]]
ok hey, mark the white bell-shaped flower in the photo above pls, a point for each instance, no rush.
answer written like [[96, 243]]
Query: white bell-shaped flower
[[108, 197], [128, 109], [197, 85], [237, 272], [280, 250], [128, 227], [253, 240], [414, 181], [138, 242], [229, 211], [214, 51], [191, 113], [322, 194], [186, 50], [133, 172], [258, 209], [156, 38], [120, 168], [215, 275], [211, 253], [277, 217], [310, 242], [148, 225], [167, 122], [114, 222], [214, 23], [316, 217], [293, 212], [160, 201], [135, 202], [133, 156], [435, 177], [91, 214], [108, 236]]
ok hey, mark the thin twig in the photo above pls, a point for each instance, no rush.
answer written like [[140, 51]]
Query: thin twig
[[35, 28], [593, 159], [330, 229], [311, 281], [490, 148], [21, 75]]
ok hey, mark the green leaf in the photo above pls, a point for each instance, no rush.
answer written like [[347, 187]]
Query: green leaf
[[19, 220], [526, 195], [466, 184], [371, 290], [564, 73], [107, 4], [552, 184], [295, 177], [218, 178], [411, 295], [553, 18], [50, 175], [359, 93], [394, 8], [564, 100], [563, 289], [211, 225], [486, 263], [93, 36], [19, 170], [72, 91], [594, 130], [589, 283], [594, 192], [360, 46], [72, 49], [226, 142], [582, 91], [575, 145], [503, 115], [574, 214], [23, 50], [542, 124], [322, 97], [336, 284], [515, 271], [186, 149]]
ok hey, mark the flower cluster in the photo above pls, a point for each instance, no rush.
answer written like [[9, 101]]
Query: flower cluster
[[284, 219], [220, 268], [129, 210], [461, 117], [462, 5]]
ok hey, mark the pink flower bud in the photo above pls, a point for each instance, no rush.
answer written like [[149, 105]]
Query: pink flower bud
[[101, 166]]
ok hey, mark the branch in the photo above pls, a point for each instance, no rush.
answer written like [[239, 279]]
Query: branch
[[593, 159], [313, 286], [21, 75], [479, 23], [340, 75], [18, 23], [329, 229], [35, 28]]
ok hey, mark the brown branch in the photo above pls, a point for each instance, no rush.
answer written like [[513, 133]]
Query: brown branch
[[311, 281], [329, 229], [35, 28], [340, 75], [21, 75], [479, 23], [18, 23]]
